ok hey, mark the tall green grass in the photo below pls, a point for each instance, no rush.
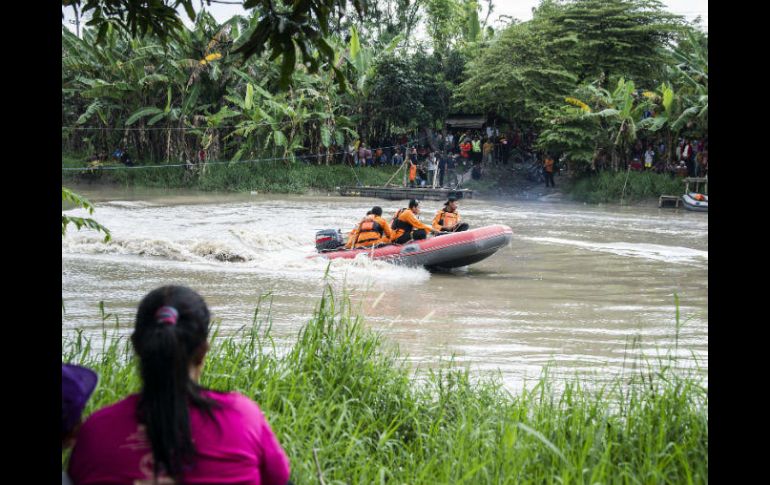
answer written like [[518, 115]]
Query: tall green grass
[[272, 176], [609, 187], [341, 392]]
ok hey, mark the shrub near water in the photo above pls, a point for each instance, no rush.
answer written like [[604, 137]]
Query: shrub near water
[[273, 176], [342, 391], [608, 187]]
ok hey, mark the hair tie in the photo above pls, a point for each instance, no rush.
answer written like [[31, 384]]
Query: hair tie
[[167, 315]]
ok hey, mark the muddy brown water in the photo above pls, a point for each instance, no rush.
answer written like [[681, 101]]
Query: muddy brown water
[[580, 289]]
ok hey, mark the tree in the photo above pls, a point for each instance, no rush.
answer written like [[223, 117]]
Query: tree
[[283, 28], [681, 102], [618, 113], [609, 39], [566, 131], [514, 76], [454, 24]]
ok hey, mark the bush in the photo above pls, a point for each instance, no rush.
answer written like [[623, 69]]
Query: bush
[[343, 391], [608, 187]]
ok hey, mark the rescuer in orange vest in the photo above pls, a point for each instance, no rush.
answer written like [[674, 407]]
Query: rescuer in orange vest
[[371, 231], [407, 227], [448, 219]]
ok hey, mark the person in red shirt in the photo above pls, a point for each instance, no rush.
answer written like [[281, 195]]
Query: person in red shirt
[[465, 148]]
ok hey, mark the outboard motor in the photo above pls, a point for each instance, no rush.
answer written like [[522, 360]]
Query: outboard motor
[[328, 240]]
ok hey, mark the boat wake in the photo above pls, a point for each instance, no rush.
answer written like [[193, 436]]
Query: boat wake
[[671, 254]]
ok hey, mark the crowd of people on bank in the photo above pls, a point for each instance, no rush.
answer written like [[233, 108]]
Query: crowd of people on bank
[[479, 146], [427, 165], [689, 157]]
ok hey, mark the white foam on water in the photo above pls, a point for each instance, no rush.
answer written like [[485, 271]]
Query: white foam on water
[[672, 254], [192, 251], [127, 203], [267, 241], [268, 254]]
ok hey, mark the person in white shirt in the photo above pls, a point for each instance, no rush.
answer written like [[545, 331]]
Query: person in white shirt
[[649, 156], [432, 165]]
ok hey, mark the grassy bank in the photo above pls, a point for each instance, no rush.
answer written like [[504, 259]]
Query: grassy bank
[[344, 391], [608, 187], [274, 176]]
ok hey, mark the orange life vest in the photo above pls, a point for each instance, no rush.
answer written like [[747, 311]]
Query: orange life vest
[[448, 219], [400, 226], [412, 171], [369, 233], [397, 223]]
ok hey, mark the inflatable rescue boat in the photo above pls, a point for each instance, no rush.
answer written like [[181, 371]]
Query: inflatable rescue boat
[[696, 202], [445, 251]]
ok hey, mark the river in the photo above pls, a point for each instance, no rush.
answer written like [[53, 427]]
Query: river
[[577, 285]]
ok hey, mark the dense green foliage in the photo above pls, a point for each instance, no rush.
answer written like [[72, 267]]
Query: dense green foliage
[[342, 390], [282, 28], [588, 77], [624, 186], [576, 73], [240, 177]]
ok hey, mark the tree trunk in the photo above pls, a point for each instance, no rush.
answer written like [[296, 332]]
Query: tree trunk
[[431, 140]]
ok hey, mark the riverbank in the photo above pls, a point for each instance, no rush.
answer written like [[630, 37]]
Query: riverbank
[[346, 392], [623, 188], [634, 188], [270, 176]]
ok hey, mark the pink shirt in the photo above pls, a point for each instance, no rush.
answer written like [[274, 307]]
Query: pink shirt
[[112, 447]]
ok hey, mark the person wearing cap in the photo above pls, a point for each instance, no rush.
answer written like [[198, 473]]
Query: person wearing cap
[[371, 231], [406, 226], [77, 385], [448, 219]]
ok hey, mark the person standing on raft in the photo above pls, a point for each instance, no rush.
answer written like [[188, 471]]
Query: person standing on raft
[[448, 219], [407, 227]]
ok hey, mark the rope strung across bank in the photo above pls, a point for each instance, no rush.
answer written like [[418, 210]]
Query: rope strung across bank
[[256, 160], [162, 128]]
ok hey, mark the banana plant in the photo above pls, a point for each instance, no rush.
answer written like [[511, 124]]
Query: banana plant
[[617, 112], [364, 61]]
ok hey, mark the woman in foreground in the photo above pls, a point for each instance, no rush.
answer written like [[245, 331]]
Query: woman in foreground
[[175, 431]]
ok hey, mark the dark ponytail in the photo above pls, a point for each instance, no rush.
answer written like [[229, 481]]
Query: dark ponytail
[[171, 334]]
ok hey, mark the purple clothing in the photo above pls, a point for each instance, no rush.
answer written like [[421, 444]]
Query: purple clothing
[[240, 447]]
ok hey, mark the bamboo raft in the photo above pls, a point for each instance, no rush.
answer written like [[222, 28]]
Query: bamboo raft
[[399, 193]]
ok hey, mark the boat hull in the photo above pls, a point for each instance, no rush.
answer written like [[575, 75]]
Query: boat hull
[[447, 251], [690, 203]]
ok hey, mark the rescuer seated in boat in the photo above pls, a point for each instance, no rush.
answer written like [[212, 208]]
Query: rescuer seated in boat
[[372, 231], [406, 227], [448, 219]]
